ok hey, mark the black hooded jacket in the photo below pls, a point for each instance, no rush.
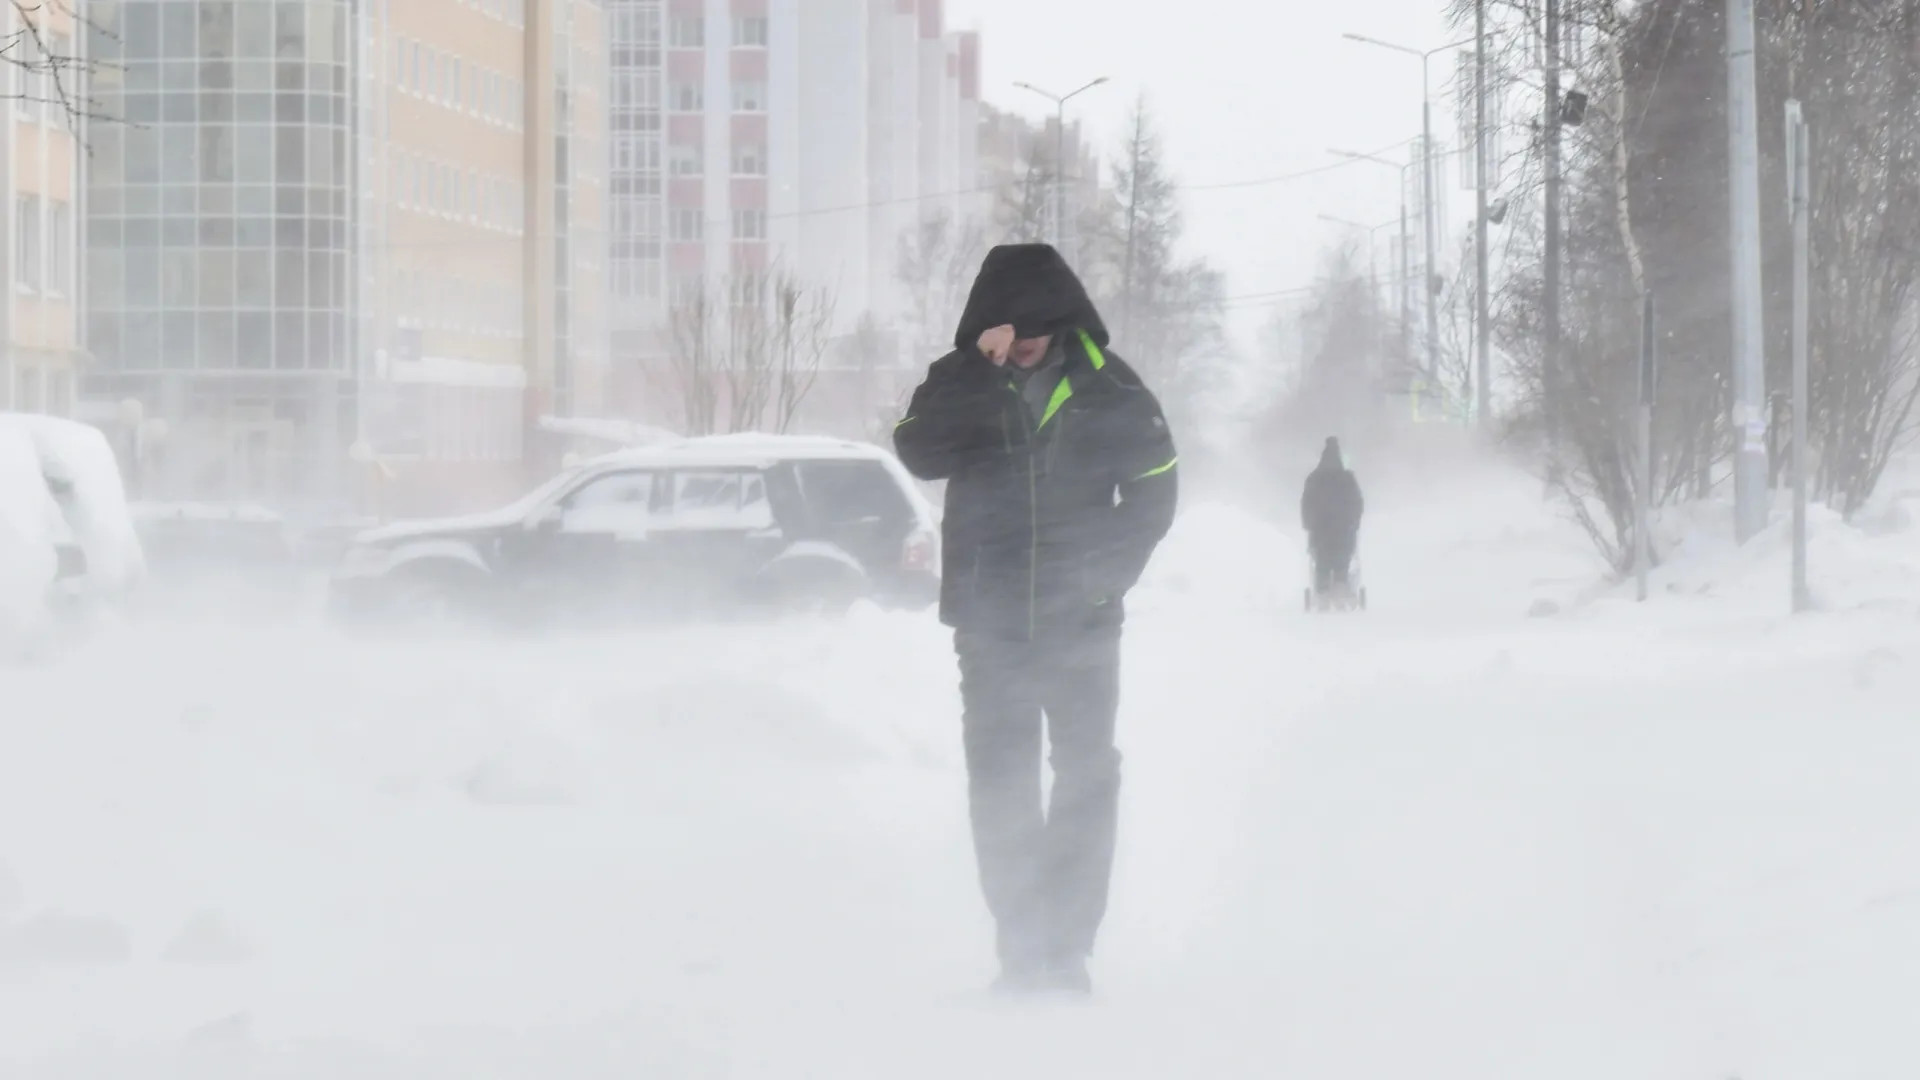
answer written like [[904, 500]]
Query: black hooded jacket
[[1331, 505], [1048, 521]]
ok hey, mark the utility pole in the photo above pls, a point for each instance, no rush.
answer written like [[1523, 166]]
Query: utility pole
[[1426, 216], [1643, 434], [1425, 162], [1482, 323], [1406, 234], [1749, 371], [1059, 229], [1799, 201], [1406, 279], [1550, 299], [1060, 178]]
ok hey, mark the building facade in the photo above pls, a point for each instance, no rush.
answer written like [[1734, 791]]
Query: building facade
[[41, 214], [803, 137], [341, 243]]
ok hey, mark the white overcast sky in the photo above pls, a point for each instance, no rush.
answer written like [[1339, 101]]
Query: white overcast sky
[[1241, 91]]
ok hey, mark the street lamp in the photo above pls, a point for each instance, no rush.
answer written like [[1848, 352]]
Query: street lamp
[[1426, 177], [1060, 154], [1406, 247]]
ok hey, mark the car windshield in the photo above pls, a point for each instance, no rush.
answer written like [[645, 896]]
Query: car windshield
[[526, 504]]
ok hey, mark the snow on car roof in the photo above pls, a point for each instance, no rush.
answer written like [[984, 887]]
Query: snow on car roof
[[745, 446], [189, 511]]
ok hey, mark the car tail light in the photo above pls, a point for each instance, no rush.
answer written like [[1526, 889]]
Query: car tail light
[[922, 551]]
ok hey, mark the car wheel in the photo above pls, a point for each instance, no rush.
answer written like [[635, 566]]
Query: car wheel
[[422, 601]]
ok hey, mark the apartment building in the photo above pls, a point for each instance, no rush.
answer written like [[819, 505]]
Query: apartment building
[[340, 239], [40, 153], [748, 134]]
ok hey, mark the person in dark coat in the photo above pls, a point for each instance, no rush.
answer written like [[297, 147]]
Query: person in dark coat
[[1330, 510], [1061, 480]]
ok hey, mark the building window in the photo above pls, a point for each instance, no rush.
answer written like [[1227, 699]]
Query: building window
[[749, 159], [59, 247], [749, 224], [26, 241], [750, 32], [686, 225], [636, 90], [749, 97], [686, 97], [28, 90], [687, 32], [683, 160]]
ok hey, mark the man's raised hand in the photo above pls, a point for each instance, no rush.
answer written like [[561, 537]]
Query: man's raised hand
[[996, 343]]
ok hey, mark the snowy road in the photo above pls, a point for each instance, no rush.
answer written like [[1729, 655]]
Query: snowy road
[[1437, 840]]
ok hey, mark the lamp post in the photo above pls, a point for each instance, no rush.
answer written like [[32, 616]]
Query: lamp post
[[1060, 154], [1426, 181], [1406, 248]]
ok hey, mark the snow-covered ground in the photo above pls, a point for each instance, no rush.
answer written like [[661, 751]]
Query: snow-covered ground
[[1673, 841]]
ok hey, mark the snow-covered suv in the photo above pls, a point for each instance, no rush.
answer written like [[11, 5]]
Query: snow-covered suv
[[67, 545], [715, 526]]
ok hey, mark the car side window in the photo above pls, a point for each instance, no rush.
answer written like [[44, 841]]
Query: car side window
[[852, 492], [617, 502], [718, 499]]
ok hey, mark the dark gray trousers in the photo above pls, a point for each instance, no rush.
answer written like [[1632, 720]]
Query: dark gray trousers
[[1045, 869]]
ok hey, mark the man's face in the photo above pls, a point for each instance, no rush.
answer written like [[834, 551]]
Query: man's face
[[1027, 352]]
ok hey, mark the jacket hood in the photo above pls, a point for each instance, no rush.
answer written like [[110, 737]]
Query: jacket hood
[[1330, 454], [1032, 287]]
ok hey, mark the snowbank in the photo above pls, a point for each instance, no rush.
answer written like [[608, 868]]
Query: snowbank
[[29, 523], [1578, 848], [1871, 565]]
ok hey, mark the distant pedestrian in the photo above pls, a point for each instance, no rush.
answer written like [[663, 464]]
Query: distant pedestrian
[[1061, 480], [1330, 511]]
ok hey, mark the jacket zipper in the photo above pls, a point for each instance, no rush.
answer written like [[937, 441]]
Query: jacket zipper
[[1033, 512]]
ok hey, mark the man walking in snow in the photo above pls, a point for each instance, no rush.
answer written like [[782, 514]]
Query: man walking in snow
[[1330, 510], [1061, 480]]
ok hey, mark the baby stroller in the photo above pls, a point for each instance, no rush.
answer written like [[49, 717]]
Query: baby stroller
[[1350, 595]]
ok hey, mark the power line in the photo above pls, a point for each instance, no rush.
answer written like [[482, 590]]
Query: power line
[[1258, 181], [1300, 175]]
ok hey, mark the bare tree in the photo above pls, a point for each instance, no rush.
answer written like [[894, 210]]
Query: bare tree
[[801, 333], [748, 368], [45, 63], [936, 263], [1646, 211], [697, 337], [746, 354], [1334, 354]]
